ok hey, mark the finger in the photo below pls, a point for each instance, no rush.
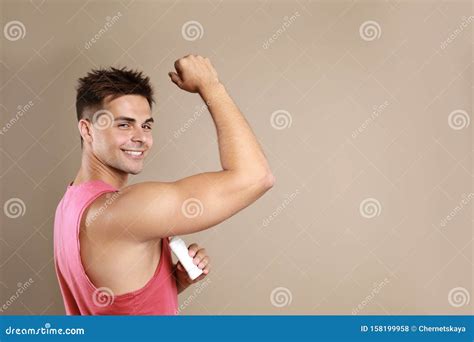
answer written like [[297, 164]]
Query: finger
[[207, 269], [203, 262], [175, 78], [201, 277], [179, 266], [178, 65], [193, 249], [201, 254]]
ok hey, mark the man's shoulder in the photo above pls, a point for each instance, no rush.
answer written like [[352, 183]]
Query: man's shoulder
[[98, 214]]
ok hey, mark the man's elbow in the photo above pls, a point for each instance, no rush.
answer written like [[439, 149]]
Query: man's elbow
[[259, 181], [269, 180], [266, 181]]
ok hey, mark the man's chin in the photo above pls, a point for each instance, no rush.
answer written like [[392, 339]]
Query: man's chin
[[131, 170], [135, 172]]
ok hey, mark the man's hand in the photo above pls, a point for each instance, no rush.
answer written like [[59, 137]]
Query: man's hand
[[194, 74], [201, 259]]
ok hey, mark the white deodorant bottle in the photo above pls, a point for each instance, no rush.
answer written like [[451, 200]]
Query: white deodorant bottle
[[178, 246]]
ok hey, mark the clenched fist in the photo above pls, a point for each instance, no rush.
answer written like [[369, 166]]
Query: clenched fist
[[194, 73]]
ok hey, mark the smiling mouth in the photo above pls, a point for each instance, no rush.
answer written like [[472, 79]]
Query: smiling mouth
[[134, 154]]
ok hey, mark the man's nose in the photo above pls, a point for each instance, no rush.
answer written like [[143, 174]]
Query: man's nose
[[139, 135]]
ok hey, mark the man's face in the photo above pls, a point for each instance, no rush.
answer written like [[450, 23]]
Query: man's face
[[121, 130]]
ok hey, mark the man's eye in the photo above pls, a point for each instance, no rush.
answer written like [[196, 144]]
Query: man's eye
[[122, 125], [148, 127]]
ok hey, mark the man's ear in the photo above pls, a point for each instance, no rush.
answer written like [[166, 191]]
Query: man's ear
[[85, 129]]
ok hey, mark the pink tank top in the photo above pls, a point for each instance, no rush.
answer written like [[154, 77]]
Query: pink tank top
[[158, 296]]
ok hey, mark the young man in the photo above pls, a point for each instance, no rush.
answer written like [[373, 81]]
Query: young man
[[111, 240]]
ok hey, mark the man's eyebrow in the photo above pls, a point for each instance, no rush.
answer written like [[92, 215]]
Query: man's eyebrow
[[125, 118]]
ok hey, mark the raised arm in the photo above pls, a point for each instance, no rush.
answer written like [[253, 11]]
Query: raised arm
[[152, 210]]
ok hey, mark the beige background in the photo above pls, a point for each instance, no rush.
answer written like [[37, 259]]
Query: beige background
[[382, 113]]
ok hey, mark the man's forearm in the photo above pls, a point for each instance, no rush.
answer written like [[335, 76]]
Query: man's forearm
[[181, 284], [181, 287], [238, 147]]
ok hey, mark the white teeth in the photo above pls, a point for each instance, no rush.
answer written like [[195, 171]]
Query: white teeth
[[134, 153]]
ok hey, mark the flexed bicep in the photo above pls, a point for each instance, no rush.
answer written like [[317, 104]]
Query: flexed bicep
[[152, 210]]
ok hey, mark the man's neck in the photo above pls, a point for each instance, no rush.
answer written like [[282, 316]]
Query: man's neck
[[95, 171], [82, 176]]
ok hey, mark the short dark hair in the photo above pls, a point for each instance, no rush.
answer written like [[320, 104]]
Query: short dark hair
[[104, 82]]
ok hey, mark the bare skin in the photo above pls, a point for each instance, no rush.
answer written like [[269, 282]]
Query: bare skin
[[120, 247]]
